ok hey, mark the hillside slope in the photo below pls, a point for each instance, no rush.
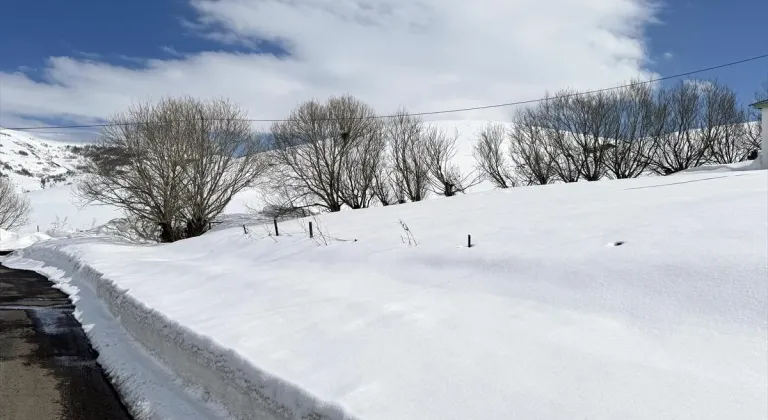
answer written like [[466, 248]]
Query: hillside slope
[[33, 163], [632, 299]]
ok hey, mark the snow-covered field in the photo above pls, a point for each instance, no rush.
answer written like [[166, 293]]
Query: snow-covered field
[[636, 299], [58, 208]]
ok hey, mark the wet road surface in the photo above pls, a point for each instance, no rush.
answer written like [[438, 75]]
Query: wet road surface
[[48, 369]]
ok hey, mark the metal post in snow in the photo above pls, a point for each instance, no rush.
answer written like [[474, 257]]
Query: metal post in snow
[[469, 241], [277, 232], [245, 230], [311, 233]]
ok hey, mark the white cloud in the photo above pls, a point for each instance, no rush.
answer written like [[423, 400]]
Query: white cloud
[[701, 84], [171, 51], [668, 55], [423, 54]]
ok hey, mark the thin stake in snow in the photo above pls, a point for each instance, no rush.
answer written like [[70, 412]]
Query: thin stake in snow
[[277, 232], [311, 233], [469, 241], [245, 229]]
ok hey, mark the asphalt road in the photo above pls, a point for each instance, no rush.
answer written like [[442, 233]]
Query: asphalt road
[[48, 370]]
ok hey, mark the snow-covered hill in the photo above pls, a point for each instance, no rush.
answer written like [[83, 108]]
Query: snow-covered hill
[[640, 298], [632, 299], [33, 163]]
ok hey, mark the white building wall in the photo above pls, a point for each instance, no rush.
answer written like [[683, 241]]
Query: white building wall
[[764, 151]]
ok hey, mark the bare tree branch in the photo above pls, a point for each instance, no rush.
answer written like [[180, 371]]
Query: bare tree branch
[[679, 146], [403, 133], [328, 152], [385, 185], [724, 125], [641, 120], [15, 208], [181, 162], [561, 150], [489, 156], [534, 155], [366, 154], [445, 178]]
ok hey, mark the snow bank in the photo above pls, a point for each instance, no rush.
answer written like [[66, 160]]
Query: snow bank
[[11, 240], [750, 165], [219, 375], [631, 299], [150, 390]]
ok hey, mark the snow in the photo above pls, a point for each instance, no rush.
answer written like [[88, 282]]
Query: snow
[[56, 210], [26, 159], [145, 386], [545, 317], [12, 240], [750, 165]]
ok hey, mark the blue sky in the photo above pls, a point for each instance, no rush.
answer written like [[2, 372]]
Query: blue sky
[[119, 32], [703, 33], [109, 43]]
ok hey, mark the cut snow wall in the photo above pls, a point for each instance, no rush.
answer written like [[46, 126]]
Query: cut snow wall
[[224, 377]]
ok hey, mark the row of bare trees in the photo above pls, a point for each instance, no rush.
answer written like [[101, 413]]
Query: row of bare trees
[[175, 165], [621, 133], [340, 153]]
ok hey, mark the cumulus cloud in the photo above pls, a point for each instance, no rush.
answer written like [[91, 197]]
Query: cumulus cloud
[[423, 54]]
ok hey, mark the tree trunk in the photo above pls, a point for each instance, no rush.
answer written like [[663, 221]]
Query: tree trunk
[[196, 227]]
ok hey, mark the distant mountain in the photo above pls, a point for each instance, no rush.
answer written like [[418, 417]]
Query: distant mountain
[[33, 163]]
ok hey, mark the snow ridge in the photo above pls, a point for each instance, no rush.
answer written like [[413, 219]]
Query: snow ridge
[[145, 385], [230, 385]]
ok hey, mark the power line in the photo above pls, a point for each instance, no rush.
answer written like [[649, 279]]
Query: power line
[[456, 110]]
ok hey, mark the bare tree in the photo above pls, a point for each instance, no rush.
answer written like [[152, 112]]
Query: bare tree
[[446, 178], [367, 152], [148, 185], [723, 124], [410, 168], [386, 186], [559, 145], [224, 158], [318, 147], [641, 120], [14, 208], [533, 154], [489, 156], [279, 202], [182, 162], [581, 126], [679, 147]]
